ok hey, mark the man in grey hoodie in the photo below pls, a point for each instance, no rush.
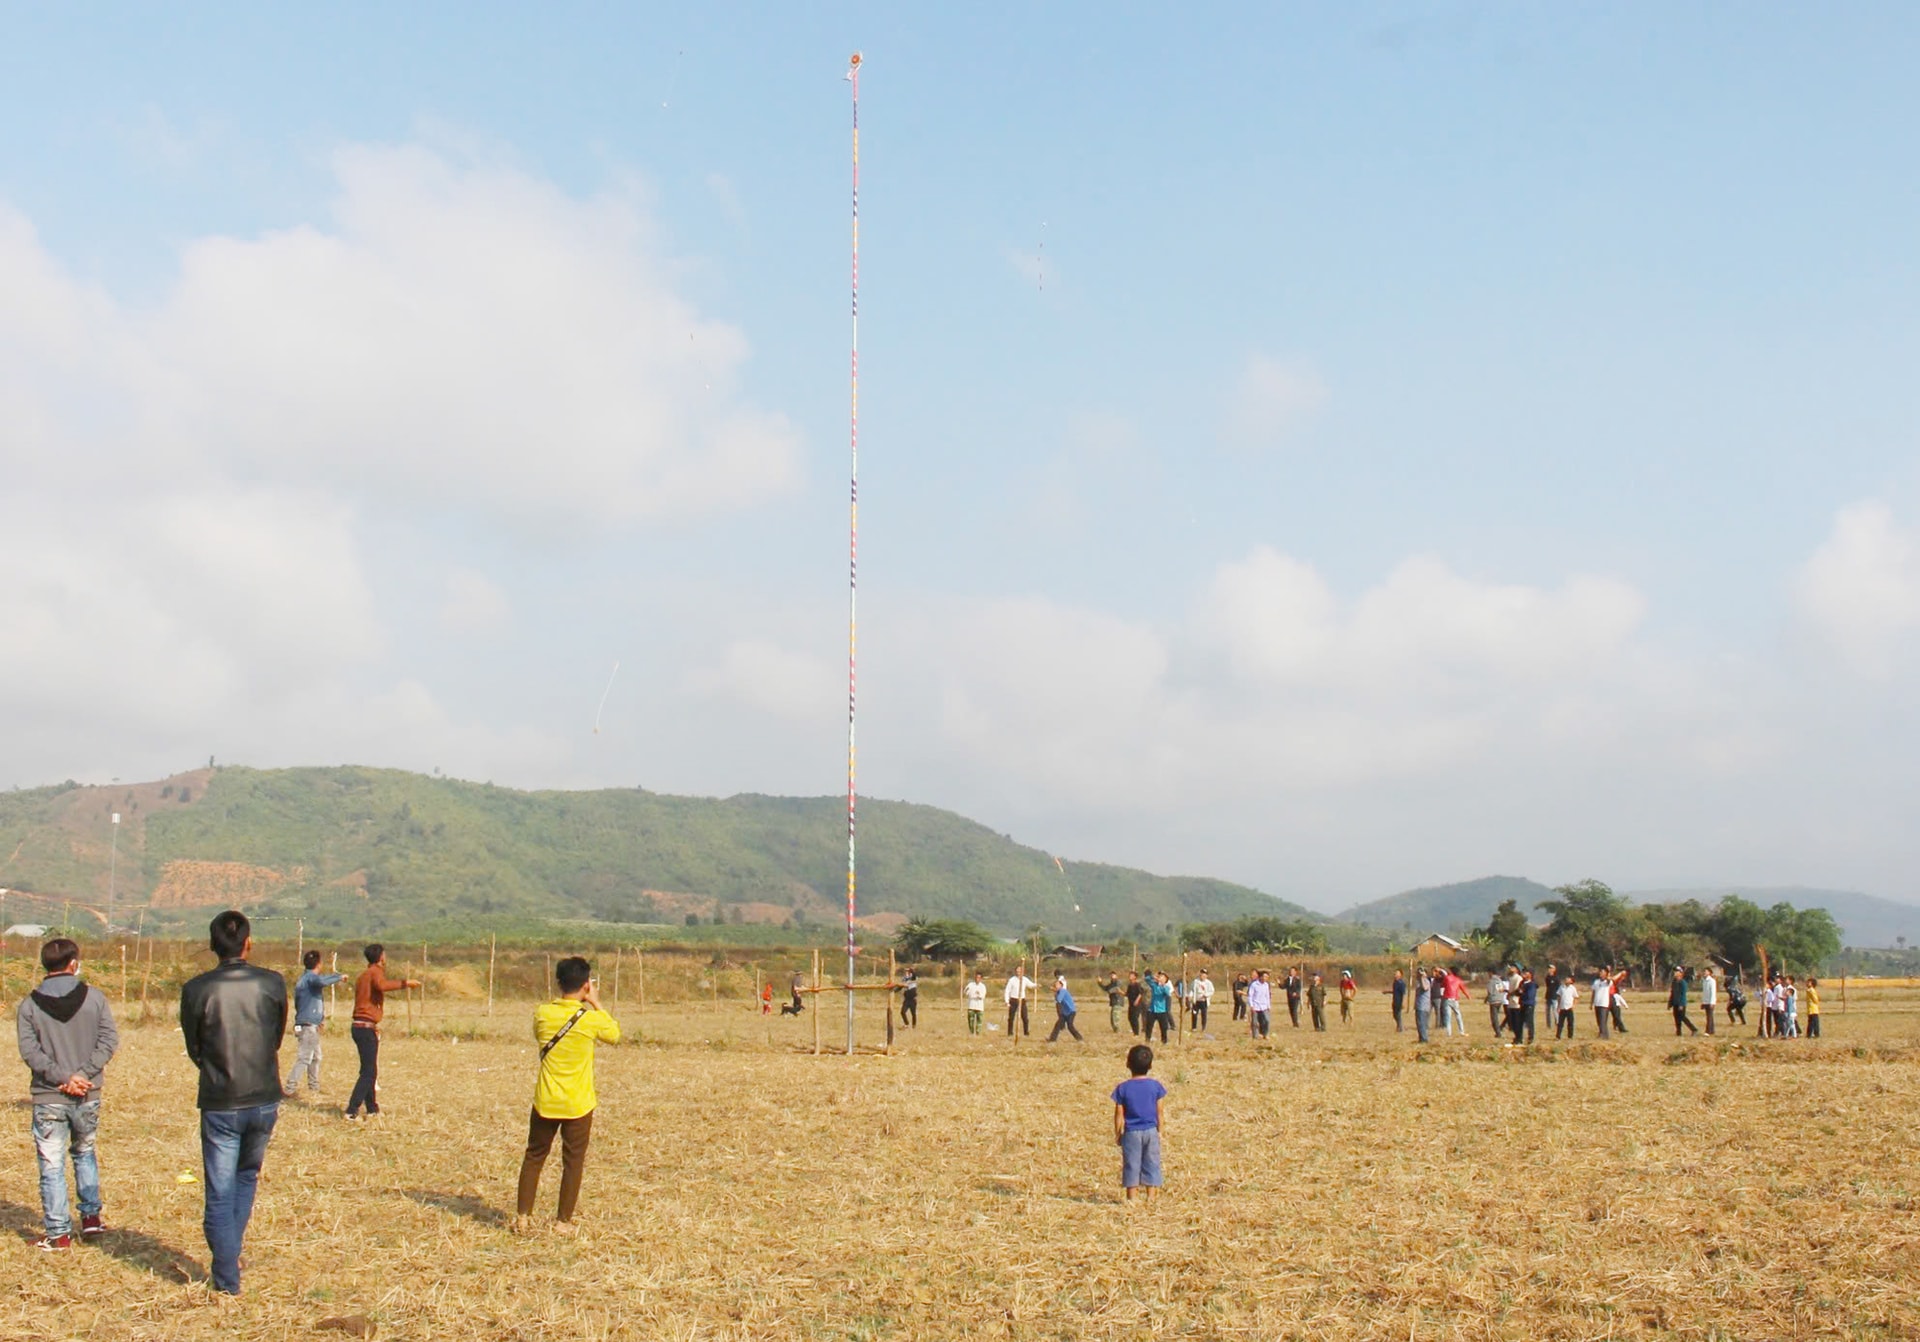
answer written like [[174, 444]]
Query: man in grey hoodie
[[67, 1037]]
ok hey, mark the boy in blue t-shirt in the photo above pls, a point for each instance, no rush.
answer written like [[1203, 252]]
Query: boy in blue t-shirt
[[1138, 1114]]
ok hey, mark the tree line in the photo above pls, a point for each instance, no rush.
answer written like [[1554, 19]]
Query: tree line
[[1589, 924]]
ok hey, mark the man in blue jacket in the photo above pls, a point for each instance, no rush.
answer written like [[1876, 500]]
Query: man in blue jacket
[[309, 1013], [1063, 1005]]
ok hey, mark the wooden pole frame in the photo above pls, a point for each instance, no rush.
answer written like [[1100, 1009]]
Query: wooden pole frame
[[640, 968], [816, 1001], [493, 947]]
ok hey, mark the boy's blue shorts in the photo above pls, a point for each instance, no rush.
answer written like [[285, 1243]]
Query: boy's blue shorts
[[1140, 1158]]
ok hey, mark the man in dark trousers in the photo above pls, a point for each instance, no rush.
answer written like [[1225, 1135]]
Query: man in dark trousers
[[1398, 991], [1136, 1003], [1317, 999], [232, 1019], [369, 1007], [67, 1037], [1677, 1002], [1294, 986]]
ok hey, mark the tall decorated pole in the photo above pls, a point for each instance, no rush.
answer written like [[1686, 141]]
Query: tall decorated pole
[[853, 551]]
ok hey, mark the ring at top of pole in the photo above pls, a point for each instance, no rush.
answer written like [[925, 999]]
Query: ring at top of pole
[[853, 65]]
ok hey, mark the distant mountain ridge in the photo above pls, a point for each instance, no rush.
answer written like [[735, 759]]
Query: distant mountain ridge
[[362, 850], [1453, 909]]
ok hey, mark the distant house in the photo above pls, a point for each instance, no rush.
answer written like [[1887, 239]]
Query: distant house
[[1074, 953], [26, 930], [1438, 947]]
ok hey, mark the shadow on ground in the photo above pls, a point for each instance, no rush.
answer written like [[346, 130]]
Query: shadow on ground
[[135, 1248], [460, 1204]]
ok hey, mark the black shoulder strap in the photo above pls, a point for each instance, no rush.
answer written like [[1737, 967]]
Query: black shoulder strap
[[561, 1033]]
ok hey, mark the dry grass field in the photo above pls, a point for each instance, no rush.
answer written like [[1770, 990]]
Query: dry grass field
[[1343, 1185]]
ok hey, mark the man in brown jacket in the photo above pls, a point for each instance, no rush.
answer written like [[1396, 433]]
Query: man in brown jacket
[[369, 1005]]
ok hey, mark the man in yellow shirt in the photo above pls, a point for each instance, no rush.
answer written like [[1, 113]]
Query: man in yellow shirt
[[1813, 1008], [563, 1096]]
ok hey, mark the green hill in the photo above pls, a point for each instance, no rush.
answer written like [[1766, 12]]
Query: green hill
[[361, 850], [1453, 909]]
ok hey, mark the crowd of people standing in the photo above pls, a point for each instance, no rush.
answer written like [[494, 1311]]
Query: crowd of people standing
[[1439, 998]]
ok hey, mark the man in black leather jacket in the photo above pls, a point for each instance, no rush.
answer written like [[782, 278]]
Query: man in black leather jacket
[[233, 1018]]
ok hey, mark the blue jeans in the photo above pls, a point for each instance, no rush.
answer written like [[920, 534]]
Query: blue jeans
[[63, 1127], [233, 1147], [1421, 1015]]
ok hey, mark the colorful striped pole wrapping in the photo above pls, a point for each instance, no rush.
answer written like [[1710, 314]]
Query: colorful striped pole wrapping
[[853, 551]]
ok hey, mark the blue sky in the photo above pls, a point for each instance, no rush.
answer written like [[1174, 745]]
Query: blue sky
[[1333, 449]]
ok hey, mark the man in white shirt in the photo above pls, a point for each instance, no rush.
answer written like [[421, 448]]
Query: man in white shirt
[[976, 1003], [1569, 994], [1602, 991], [1019, 991], [1259, 1006], [1709, 995], [1199, 995]]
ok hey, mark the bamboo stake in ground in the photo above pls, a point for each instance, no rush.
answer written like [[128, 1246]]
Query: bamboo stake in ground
[[640, 958], [816, 1001], [493, 948], [123, 976], [409, 996], [300, 940], [145, 979], [333, 989], [616, 980], [890, 977]]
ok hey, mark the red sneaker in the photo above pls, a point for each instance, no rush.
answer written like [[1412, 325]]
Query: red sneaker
[[53, 1242], [91, 1226]]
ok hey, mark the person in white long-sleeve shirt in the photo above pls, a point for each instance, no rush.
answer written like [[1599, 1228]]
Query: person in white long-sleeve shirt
[[1199, 999], [1709, 995], [1259, 1006], [1019, 991], [1602, 995]]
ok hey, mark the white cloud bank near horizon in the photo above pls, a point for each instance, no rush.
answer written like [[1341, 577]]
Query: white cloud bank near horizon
[[190, 483]]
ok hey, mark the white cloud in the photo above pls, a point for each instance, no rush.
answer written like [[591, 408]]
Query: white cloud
[[773, 679], [461, 337], [474, 604], [1271, 400], [164, 616], [1272, 681], [187, 481], [1861, 588]]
